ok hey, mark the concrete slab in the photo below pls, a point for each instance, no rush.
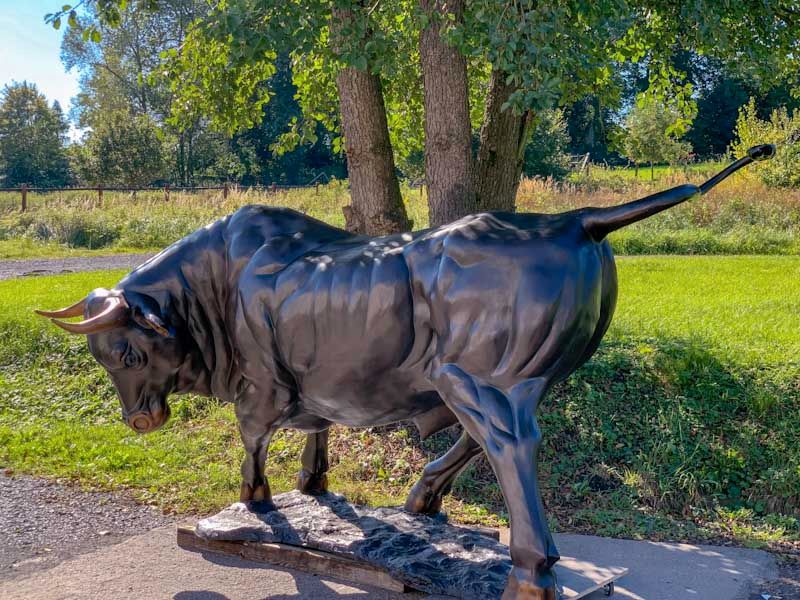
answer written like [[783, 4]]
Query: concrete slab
[[670, 571], [152, 566]]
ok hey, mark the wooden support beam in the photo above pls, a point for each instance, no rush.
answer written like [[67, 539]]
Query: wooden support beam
[[294, 557]]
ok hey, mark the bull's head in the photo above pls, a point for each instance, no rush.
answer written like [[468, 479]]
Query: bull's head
[[129, 337]]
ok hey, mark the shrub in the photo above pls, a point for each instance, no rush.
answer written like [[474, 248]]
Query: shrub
[[783, 130], [546, 154]]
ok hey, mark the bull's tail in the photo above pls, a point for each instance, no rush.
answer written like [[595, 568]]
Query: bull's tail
[[599, 222]]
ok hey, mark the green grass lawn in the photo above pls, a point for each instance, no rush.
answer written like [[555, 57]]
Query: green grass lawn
[[685, 425], [22, 248]]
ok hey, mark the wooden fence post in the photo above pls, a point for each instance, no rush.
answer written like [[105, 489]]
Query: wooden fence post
[[99, 196], [225, 191], [166, 193], [316, 189], [24, 189]]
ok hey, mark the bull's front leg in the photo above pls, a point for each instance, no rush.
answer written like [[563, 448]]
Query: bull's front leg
[[258, 415], [313, 478], [504, 423]]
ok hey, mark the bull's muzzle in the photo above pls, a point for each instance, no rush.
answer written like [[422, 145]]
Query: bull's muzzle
[[145, 422]]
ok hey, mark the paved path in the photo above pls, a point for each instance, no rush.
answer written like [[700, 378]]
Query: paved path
[[152, 566], [54, 266]]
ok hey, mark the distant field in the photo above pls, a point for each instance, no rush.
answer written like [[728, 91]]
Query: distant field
[[684, 425], [602, 175], [739, 217]]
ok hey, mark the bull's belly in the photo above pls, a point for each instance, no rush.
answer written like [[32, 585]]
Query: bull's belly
[[366, 403]]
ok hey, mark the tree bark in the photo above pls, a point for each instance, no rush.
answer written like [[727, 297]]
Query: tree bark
[[376, 206], [501, 155], [448, 132]]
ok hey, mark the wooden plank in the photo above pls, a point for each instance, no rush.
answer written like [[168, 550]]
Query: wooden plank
[[490, 532], [310, 560]]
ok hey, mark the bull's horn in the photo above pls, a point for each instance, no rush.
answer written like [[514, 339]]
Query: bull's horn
[[113, 315], [71, 311]]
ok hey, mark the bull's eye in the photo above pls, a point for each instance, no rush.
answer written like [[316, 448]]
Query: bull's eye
[[131, 359]]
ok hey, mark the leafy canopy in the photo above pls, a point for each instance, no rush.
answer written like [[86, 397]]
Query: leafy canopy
[[123, 149], [554, 52]]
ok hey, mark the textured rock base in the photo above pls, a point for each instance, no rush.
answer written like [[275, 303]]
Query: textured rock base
[[424, 553]]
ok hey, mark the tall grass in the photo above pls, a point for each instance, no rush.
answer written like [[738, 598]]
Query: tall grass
[[739, 217]]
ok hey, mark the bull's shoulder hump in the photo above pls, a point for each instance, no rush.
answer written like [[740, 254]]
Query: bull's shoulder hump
[[276, 219], [275, 235]]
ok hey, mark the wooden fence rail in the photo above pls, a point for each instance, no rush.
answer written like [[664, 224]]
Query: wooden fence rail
[[24, 190]]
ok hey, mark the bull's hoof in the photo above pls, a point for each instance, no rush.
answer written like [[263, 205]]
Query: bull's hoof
[[422, 501], [311, 483], [524, 586], [257, 498]]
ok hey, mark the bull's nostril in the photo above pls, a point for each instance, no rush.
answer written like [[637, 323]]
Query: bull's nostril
[[140, 423]]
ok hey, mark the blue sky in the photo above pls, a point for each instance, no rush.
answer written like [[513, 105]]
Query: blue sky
[[30, 49]]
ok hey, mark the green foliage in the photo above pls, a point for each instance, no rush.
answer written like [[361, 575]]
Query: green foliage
[[123, 149], [127, 70], [783, 130], [32, 138], [652, 132], [553, 52], [201, 73], [546, 154]]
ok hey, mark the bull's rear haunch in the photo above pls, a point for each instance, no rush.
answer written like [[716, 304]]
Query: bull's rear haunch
[[302, 325]]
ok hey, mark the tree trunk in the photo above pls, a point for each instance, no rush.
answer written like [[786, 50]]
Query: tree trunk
[[501, 155], [376, 206], [448, 132]]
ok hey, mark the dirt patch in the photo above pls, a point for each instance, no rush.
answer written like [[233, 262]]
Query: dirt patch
[[43, 523], [787, 584]]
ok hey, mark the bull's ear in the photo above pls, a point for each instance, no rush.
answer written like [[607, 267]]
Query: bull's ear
[[146, 313], [149, 320]]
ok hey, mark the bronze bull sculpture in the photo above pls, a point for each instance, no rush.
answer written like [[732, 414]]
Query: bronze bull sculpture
[[302, 325]]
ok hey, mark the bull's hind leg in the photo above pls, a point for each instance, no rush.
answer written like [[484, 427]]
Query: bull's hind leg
[[313, 478], [437, 478], [503, 422]]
